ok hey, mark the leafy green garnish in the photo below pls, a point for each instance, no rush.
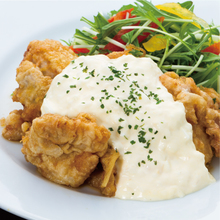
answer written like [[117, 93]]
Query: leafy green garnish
[[185, 41]]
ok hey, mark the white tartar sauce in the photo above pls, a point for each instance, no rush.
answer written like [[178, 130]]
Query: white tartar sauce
[[158, 159]]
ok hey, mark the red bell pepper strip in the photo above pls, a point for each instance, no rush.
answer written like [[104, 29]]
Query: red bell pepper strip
[[121, 15], [214, 48], [117, 37], [79, 50], [144, 35], [140, 38]]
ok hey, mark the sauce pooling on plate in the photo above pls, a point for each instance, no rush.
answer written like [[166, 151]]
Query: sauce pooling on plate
[[158, 159]]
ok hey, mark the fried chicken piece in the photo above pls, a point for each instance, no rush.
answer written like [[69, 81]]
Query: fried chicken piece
[[49, 55], [12, 126], [65, 151], [202, 111], [202, 142], [33, 86], [104, 178], [42, 61]]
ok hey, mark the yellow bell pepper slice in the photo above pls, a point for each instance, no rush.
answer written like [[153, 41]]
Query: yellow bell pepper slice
[[155, 43], [176, 9]]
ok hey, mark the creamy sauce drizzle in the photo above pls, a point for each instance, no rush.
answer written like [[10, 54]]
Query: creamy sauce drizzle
[[158, 158]]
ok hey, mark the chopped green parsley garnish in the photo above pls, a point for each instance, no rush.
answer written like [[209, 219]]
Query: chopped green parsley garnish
[[128, 152], [132, 142], [85, 69], [119, 129], [135, 127], [65, 76], [149, 158], [150, 130], [92, 73]]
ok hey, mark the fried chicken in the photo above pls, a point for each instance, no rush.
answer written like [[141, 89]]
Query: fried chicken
[[33, 86], [104, 178], [65, 151], [12, 130], [49, 55], [202, 106], [42, 61]]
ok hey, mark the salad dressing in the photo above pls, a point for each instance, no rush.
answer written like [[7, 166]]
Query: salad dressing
[[158, 159]]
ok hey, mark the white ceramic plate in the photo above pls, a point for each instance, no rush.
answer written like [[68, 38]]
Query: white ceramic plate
[[22, 190]]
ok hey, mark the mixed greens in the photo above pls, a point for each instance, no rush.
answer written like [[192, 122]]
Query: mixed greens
[[171, 34]]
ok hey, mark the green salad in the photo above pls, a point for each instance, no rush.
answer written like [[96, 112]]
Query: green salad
[[170, 34]]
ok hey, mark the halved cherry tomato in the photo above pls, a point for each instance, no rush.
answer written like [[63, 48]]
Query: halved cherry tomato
[[79, 50], [214, 48]]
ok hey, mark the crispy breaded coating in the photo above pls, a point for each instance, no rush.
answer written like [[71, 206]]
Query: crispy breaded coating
[[202, 141], [49, 55], [12, 130], [33, 86], [65, 151], [42, 61], [202, 111], [104, 178]]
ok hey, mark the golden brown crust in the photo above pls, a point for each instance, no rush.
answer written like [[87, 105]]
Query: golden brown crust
[[42, 61], [202, 111], [65, 150], [33, 86], [50, 56], [104, 178], [12, 130]]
